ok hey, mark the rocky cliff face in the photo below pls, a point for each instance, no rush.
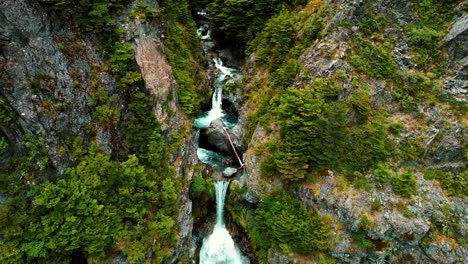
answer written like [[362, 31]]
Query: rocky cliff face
[[49, 87], [50, 74], [402, 229]]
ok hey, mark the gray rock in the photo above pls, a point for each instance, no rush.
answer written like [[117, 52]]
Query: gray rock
[[450, 148], [217, 137], [229, 171], [457, 88]]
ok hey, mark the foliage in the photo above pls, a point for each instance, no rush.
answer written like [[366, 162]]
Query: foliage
[[121, 58], [236, 22], [144, 11], [370, 22], [313, 29], [316, 132], [274, 42], [284, 222], [376, 205], [98, 203], [182, 49], [105, 110], [283, 77], [362, 240], [3, 144], [130, 78], [404, 184], [7, 114], [142, 130], [373, 60], [361, 102], [382, 174], [396, 127], [455, 182], [198, 186], [433, 13]]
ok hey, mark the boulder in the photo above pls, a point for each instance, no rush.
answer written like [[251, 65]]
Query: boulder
[[217, 139]]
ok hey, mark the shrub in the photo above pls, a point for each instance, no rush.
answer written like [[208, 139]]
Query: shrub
[[404, 184], [285, 222], [362, 240], [7, 114], [455, 182], [376, 205], [313, 29], [396, 127], [284, 76], [198, 186], [382, 174], [3, 144], [273, 43], [373, 60]]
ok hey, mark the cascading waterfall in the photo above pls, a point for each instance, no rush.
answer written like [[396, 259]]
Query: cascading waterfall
[[216, 111], [219, 248]]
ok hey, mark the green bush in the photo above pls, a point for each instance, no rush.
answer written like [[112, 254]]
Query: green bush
[[144, 11], [404, 184], [317, 131], [7, 114], [284, 222], [236, 23], [182, 49], [313, 29], [396, 127], [122, 58], [455, 182], [198, 186], [373, 60], [435, 14], [273, 43], [3, 144], [361, 102], [284, 76], [382, 174], [362, 240]]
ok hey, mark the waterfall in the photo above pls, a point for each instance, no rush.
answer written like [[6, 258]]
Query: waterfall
[[216, 110], [219, 248]]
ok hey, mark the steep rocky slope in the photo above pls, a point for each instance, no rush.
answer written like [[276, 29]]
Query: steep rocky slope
[[429, 226], [54, 78]]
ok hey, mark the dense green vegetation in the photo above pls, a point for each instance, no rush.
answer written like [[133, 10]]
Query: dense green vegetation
[[281, 223], [103, 203], [183, 52], [236, 22], [317, 133], [455, 182]]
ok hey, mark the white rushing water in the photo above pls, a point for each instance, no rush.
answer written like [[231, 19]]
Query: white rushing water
[[219, 248], [216, 111]]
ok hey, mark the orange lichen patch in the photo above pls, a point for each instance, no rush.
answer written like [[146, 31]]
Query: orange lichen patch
[[439, 237], [374, 216], [314, 188], [313, 6]]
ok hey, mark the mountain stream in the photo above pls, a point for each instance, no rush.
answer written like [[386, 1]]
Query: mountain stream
[[219, 247]]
